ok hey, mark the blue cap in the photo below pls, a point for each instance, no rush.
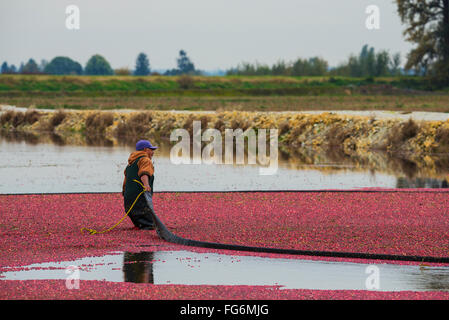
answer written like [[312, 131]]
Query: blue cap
[[142, 144]]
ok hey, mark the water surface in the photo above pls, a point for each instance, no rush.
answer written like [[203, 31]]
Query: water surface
[[190, 268], [52, 168]]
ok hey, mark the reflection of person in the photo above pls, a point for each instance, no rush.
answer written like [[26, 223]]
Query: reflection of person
[[140, 168], [138, 267]]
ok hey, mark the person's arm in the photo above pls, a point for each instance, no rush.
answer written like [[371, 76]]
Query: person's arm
[[146, 182], [146, 170]]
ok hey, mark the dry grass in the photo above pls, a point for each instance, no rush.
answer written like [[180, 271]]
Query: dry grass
[[57, 118], [18, 118], [135, 126], [97, 122], [284, 127], [442, 137], [293, 139], [337, 135], [400, 133], [7, 117], [32, 116], [188, 123]]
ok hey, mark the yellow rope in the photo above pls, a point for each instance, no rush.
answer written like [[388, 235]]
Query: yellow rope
[[93, 231]]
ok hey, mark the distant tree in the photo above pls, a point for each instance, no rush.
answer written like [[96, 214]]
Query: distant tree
[[21, 67], [185, 66], [280, 69], [318, 66], [354, 67], [309, 67], [142, 65], [395, 64], [382, 64], [12, 69], [262, 69], [247, 69], [63, 65], [299, 67], [97, 65], [4, 67], [368, 61], [30, 67], [428, 27], [369, 64], [314, 66]]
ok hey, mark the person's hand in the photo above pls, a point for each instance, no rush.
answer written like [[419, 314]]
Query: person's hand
[[147, 188]]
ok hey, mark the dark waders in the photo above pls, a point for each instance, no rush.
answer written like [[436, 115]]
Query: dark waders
[[140, 214]]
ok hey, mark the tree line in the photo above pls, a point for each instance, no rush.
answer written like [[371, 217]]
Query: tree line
[[368, 63], [427, 27], [97, 65]]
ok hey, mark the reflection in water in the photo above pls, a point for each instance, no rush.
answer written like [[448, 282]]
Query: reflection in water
[[18, 136], [191, 268], [421, 183], [308, 169], [99, 141], [54, 138], [138, 267], [57, 139], [438, 279]]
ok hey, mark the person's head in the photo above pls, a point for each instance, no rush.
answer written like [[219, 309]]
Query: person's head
[[146, 146]]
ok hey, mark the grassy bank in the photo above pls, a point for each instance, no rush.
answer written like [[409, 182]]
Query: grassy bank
[[220, 93], [20, 85]]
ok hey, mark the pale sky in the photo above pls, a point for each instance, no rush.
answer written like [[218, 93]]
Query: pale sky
[[216, 34]]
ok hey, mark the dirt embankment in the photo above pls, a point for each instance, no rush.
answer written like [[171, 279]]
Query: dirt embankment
[[350, 134]]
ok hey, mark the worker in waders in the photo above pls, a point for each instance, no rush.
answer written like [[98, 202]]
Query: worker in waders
[[140, 168]]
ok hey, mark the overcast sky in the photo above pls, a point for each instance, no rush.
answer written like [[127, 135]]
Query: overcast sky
[[216, 34]]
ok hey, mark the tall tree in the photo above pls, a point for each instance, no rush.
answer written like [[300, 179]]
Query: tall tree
[[395, 64], [428, 27], [4, 68], [12, 69], [63, 65], [185, 66], [279, 69], [382, 64], [314, 66], [97, 65], [367, 60], [30, 67], [142, 65]]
